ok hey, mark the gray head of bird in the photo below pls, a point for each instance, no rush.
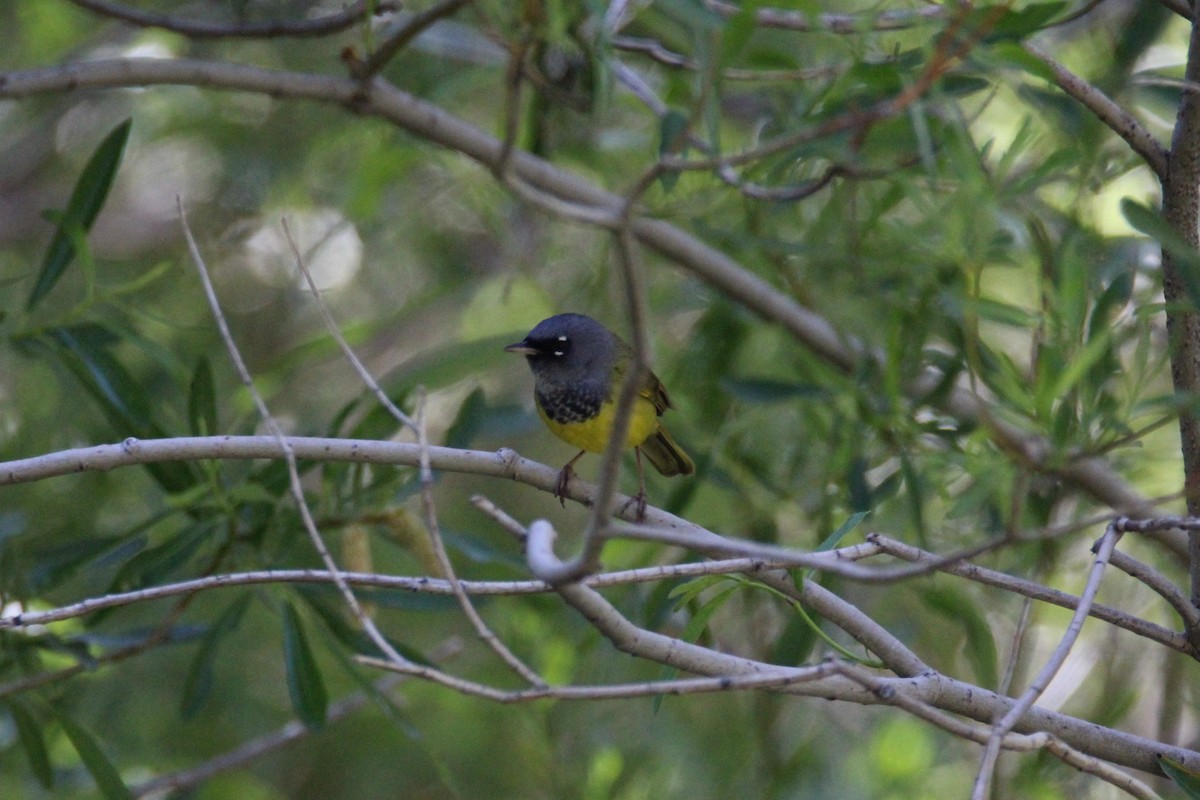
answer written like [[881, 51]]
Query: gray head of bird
[[570, 345]]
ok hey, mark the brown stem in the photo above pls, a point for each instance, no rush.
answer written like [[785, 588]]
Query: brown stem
[[1181, 208]]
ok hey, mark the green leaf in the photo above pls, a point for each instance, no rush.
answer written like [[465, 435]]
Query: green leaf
[[1112, 299], [1023, 22], [671, 130], [797, 641], [439, 367], [87, 199], [737, 31], [94, 759], [861, 496], [1183, 778], [84, 351], [331, 613], [305, 686], [831, 541], [1187, 259], [202, 400], [852, 522], [29, 732], [980, 647], [1081, 363], [472, 417], [808, 620], [199, 681], [704, 614], [153, 564], [687, 591], [53, 565]]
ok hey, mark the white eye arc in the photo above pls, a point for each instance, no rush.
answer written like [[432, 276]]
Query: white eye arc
[[558, 352], [562, 338]]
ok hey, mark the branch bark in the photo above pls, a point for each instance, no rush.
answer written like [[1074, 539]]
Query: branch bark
[[1181, 208]]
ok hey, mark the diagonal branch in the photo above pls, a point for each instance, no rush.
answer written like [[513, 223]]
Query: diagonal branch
[[1120, 121], [1092, 475]]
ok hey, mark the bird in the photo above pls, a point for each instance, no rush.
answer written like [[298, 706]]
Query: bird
[[579, 367]]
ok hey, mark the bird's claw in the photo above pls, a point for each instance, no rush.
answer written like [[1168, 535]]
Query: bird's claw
[[560, 486], [638, 501]]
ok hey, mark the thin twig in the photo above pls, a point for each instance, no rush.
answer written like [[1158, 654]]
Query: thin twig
[[1036, 591], [429, 509], [1159, 583], [981, 734], [417, 584], [777, 678], [297, 489], [787, 19], [1117, 119], [439, 548], [396, 40], [332, 328], [987, 767]]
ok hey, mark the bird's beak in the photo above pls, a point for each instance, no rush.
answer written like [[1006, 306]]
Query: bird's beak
[[521, 348]]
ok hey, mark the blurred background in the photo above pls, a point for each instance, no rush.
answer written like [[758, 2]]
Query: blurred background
[[978, 230]]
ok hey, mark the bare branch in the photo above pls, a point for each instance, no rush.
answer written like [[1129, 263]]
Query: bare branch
[[321, 26], [394, 40], [431, 521], [656, 51], [1036, 591], [1181, 210], [987, 768], [1120, 121], [929, 688], [834, 23], [1158, 582], [310, 526]]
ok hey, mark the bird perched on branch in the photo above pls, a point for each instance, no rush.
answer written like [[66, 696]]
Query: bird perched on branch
[[579, 367]]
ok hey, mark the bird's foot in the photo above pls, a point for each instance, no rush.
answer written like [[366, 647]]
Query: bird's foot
[[638, 501], [564, 480]]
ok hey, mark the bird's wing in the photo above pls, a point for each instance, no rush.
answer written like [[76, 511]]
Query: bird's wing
[[656, 393]]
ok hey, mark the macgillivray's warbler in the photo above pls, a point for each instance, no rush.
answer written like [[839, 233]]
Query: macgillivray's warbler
[[579, 367]]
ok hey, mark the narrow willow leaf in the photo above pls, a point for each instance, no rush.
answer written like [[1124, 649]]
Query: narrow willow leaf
[[674, 125], [87, 199], [202, 400], [200, 678], [305, 686], [29, 732], [1188, 781], [1187, 260], [980, 647], [94, 760]]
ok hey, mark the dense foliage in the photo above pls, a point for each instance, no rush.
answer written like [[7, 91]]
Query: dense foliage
[[899, 273]]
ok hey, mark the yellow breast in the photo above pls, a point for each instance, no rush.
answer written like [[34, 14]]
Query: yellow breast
[[592, 434]]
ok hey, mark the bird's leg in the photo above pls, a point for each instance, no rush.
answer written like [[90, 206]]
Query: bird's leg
[[639, 499], [564, 479]]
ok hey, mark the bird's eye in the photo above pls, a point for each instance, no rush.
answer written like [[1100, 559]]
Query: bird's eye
[[558, 352]]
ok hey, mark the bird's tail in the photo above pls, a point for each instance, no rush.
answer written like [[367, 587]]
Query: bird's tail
[[666, 456]]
